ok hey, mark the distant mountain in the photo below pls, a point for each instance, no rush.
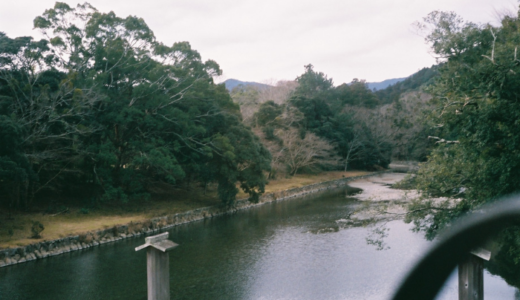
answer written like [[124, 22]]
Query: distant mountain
[[232, 83], [391, 93], [384, 84]]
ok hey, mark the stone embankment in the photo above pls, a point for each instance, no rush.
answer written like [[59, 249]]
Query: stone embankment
[[87, 240]]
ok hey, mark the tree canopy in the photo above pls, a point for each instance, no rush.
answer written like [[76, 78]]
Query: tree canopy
[[476, 119], [100, 101]]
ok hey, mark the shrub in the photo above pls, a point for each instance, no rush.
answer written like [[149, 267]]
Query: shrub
[[36, 229]]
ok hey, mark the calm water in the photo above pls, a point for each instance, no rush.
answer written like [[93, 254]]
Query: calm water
[[287, 250]]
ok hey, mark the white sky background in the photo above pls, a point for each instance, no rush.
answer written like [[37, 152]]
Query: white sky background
[[266, 40]]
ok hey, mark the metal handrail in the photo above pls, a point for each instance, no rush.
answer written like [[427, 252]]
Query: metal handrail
[[454, 245]]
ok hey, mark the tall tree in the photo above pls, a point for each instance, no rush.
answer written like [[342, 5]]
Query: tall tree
[[51, 110], [311, 95], [477, 155], [125, 110]]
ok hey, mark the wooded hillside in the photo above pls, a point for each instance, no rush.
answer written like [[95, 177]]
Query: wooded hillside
[[100, 106], [102, 110]]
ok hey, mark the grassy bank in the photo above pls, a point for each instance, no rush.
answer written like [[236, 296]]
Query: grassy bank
[[16, 231]]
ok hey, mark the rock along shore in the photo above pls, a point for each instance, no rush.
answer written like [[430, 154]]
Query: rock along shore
[[11, 256]]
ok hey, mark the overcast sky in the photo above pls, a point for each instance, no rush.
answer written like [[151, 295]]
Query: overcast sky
[[271, 40]]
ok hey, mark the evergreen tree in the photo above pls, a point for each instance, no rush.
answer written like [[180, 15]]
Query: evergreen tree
[[477, 156], [101, 102]]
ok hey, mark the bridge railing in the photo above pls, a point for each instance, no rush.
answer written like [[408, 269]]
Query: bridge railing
[[454, 247]]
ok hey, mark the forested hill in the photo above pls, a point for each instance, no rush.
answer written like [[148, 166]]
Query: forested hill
[[387, 91], [310, 125], [384, 84], [393, 92], [232, 83]]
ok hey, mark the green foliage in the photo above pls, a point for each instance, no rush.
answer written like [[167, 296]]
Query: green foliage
[[51, 113], [425, 77], [130, 111], [16, 174], [312, 83], [349, 117], [477, 112], [409, 126], [335, 114], [269, 133], [267, 113], [245, 95], [311, 97], [356, 93], [36, 229]]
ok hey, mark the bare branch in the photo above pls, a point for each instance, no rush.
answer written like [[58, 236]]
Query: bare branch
[[441, 141]]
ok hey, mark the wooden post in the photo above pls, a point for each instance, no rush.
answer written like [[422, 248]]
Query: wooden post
[[158, 265], [471, 275]]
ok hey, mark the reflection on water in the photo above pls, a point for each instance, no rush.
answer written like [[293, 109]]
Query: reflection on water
[[293, 249]]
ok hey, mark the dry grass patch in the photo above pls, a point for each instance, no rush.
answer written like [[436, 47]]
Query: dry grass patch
[[300, 180]]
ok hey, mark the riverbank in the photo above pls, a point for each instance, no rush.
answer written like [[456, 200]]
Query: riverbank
[[141, 223], [385, 202], [70, 221], [379, 188]]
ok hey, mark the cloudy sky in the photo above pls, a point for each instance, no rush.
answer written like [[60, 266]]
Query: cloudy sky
[[271, 40]]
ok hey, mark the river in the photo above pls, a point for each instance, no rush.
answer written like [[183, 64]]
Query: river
[[294, 249]]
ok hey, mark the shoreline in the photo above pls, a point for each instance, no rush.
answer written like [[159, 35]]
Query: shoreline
[[40, 250]]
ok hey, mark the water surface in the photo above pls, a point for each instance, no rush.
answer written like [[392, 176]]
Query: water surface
[[293, 249]]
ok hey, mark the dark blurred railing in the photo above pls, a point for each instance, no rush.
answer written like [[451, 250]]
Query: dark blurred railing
[[454, 246]]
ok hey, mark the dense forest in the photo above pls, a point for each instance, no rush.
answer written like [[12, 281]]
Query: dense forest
[[475, 123], [309, 124], [101, 107], [474, 117]]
